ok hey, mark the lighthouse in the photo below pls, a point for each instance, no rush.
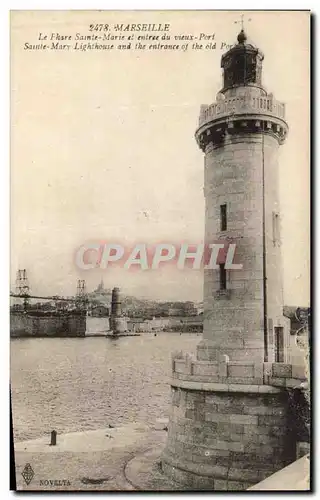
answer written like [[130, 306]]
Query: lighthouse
[[228, 426], [118, 323], [240, 135]]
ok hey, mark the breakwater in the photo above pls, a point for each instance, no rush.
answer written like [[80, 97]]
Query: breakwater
[[25, 324]]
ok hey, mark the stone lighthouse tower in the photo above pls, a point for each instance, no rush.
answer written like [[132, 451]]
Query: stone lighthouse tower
[[118, 323], [229, 417]]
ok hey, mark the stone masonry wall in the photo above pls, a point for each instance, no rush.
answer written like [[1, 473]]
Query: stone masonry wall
[[226, 442], [47, 326], [274, 269], [234, 176], [231, 422]]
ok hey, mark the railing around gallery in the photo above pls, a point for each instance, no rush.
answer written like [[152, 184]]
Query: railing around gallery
[[265, 105]]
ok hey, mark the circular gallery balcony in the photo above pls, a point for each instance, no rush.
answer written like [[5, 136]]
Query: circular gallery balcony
[[256, 112]]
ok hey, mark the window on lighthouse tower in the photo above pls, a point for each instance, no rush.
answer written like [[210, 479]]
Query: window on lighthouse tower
[[275, 228], [223, 277], [223, 217]]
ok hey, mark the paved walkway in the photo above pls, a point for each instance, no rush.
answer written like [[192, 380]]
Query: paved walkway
[[123, 458], [118, 459], [294, 477]]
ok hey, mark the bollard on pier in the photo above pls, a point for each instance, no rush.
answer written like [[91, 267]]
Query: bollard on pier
[[53, 438]]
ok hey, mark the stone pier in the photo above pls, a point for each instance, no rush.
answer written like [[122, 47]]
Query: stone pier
[[230, 424]]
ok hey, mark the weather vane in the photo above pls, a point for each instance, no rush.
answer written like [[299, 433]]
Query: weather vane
[[241, 21]]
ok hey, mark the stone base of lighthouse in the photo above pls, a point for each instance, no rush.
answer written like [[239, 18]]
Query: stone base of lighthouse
[[118, 325], [230, 423]]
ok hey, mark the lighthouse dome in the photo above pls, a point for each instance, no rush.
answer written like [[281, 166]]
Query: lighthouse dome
[[242, 64]]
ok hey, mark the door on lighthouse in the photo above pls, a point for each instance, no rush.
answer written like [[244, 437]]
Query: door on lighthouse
[[279, 344]]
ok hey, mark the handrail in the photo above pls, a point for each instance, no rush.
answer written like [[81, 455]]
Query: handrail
[[238, 105]]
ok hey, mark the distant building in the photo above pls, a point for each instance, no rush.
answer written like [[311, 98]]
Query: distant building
[[169, 324], [298, 340], [16, 307], [100, 287], [101, 290]]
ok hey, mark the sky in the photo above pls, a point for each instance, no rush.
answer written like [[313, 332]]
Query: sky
[[102, 146]]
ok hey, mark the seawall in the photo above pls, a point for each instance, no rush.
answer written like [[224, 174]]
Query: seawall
[[64, 325]]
